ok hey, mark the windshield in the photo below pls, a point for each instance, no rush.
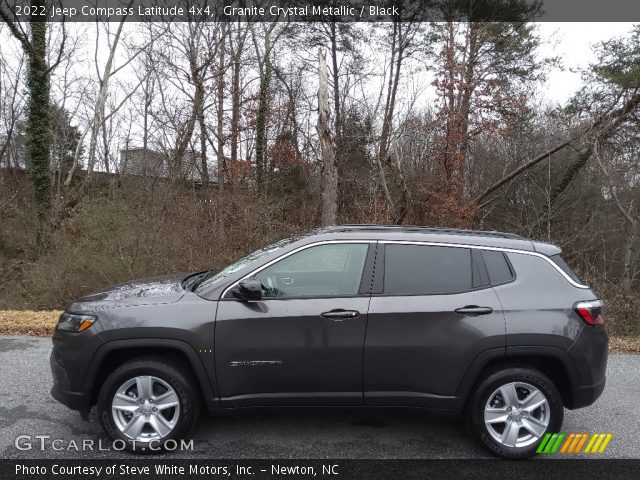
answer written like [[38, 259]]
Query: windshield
[[214, 277]]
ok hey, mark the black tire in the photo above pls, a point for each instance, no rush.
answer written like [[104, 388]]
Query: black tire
[[173, 373], [485, 389]]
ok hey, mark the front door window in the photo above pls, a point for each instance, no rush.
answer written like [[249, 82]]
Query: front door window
[[322, 271]]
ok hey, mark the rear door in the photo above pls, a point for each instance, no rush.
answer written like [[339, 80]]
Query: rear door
[[432, 311], [302, 344]]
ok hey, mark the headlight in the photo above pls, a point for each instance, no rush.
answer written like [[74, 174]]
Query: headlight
[[70, 322]]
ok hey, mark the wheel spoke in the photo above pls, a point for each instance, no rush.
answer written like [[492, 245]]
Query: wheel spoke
[[496, 415], [160, 425], [134, 427], [534, 426], [535, 400], [125, 403], [509, 394], [510, 435], [166, 400], [145, 387]]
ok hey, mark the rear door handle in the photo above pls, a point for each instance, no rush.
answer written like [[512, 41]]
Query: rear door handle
[[339, 314], [473, 310]]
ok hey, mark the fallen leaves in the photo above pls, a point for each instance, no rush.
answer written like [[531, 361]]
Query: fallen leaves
[[28, 322]]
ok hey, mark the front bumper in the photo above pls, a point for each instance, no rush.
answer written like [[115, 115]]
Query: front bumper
[[70, 363], [62, 390]]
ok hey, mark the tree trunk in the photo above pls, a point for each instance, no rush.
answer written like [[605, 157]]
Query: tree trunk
[[336, 95], [387, 121], [221, 71], [176, 169], [629, 255], [204, 175], [98, 114], [148, 98], [235, 104], [336, 82], [327, 148], [105, 145], [38, 120], [261, 124]]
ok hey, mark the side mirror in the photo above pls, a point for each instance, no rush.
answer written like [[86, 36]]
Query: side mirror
[[249, 289]]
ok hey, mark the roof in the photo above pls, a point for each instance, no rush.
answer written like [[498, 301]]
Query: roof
[[485, 238]]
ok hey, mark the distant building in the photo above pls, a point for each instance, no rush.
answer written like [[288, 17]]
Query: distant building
[[150, 163]]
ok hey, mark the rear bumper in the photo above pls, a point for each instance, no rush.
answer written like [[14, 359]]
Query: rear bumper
[[586, 395], [590, 353]]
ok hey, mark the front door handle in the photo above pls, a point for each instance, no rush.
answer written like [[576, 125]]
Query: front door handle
[[339, 314], [473, 310]]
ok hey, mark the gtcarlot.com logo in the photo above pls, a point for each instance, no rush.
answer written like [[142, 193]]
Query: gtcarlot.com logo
[[574, 443], [46, 442]]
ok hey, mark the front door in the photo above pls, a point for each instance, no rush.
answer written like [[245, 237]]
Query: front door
[[302, 344]]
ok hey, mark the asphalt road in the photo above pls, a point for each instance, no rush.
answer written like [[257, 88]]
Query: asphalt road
[[26, 408]]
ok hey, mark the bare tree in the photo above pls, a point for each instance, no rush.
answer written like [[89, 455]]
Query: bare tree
[[632, 222], [237, 41], [270, 34], [12, 102], [327, 147], [222, 67], [35, 46]]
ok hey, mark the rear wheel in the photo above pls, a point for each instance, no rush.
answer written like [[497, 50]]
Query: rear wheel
[[512, 409], [147, 402]]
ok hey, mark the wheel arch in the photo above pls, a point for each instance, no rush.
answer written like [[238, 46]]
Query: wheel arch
[[553, 362], [115, 353]]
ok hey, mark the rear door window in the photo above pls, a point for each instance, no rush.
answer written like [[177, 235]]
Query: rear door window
[[427, 270]]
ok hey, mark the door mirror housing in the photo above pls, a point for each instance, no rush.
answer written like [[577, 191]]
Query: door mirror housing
[[249, 289]]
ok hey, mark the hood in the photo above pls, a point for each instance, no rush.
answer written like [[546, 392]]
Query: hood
[[155, 290]]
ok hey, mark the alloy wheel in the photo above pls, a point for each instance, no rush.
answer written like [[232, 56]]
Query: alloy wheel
[[145, 408], [517, 414]]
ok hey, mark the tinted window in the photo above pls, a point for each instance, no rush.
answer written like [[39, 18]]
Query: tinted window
[[324, 270], [426, 270], [558, 260], [497, 267]]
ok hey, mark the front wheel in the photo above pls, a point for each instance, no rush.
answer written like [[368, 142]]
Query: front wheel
[[512, 409], [147, 402]]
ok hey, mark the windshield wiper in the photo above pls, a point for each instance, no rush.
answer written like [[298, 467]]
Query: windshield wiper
[[192, 281]]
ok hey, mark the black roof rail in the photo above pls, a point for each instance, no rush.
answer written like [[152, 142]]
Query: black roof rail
[[425, 229]]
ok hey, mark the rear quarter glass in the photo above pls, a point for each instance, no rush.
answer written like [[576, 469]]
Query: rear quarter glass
[[498, 267], [559, 261]]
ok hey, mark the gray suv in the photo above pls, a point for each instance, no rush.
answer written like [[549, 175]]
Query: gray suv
[[487, 324]]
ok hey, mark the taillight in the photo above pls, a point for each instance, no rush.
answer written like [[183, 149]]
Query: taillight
[[590, 312]]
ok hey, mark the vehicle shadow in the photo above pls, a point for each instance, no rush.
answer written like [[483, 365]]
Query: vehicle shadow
[[335, 432]]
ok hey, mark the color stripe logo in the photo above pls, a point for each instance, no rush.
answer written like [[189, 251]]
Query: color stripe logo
[[574, 443]]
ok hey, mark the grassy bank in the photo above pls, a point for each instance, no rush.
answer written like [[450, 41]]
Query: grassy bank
[[42, 324], [28, 322]]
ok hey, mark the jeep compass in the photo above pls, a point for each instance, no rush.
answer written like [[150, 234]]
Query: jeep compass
[[486, 324]]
